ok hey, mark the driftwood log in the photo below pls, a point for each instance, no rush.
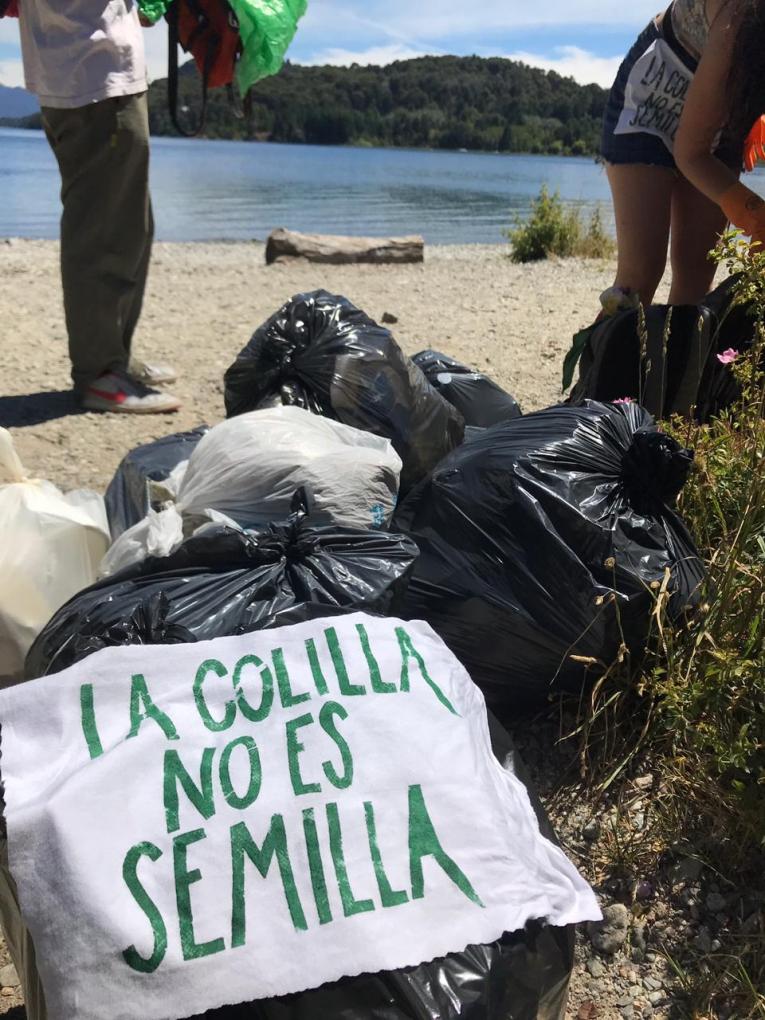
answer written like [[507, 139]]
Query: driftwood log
[[285, 245]]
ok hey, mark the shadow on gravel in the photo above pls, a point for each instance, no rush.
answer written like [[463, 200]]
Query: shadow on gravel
[[36, 408]]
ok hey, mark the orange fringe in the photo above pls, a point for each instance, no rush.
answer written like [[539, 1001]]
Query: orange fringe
[[754, 146]]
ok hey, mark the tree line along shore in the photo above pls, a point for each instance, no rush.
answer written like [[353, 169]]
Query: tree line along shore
[[477, 103]]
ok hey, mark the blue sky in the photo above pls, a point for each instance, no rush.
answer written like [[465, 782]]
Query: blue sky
[[583, 38]]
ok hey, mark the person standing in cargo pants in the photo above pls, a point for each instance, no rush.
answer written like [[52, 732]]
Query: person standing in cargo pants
[[84, 59]]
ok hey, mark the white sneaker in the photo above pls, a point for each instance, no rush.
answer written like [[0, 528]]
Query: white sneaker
[[119, 393], [150, 375]]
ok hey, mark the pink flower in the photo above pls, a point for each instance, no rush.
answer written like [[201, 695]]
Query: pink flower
[[727, 357], [623, 400]]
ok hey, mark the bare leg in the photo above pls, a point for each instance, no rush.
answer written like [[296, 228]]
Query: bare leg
[[697, 222], [642, 207]]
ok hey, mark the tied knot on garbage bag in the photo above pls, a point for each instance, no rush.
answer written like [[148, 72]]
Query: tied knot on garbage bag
[[321, 353], [224, 580], [654, 470], [147, 625], [541, 543]]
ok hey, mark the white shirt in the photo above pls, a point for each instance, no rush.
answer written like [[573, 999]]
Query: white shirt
[[78, 52]]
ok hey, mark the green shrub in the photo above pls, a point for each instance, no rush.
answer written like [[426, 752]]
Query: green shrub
[[692, 711], [595, 243], [554, 230]]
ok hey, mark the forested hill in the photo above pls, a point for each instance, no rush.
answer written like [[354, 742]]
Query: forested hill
[[435, 102]]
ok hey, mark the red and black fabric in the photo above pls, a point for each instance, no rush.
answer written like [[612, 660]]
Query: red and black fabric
[[209, 31]]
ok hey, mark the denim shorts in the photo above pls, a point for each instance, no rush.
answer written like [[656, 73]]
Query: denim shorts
[[642, 147]]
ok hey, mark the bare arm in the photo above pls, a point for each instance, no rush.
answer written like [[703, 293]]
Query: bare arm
[[704, 115], [706, 112]]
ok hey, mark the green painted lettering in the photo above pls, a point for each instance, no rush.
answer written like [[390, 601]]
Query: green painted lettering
[[131, 955], [351, 905], [288, 699], [327, 723], [423, 842], [316, 670], [267, 696], [346, 687], [88, 717], [200, 796], [274, 845], [316, 865], [389, 897], [256, 774], [294, 747], [216, 725], [142, 708], [379, 686], [184, 879], [408, 651]]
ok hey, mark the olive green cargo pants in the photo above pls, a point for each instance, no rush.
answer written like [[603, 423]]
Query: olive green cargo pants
[[106, 227]]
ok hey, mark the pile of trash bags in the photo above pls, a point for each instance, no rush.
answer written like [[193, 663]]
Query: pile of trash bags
[[350, 477]]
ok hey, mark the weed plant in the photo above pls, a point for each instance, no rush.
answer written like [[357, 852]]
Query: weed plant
[[692, 712], [553, 230]]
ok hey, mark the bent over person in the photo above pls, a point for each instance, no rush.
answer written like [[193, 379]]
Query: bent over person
[[683, 117], [84, 59]]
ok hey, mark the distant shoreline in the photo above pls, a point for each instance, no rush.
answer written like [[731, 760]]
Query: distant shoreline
[[23, 125]]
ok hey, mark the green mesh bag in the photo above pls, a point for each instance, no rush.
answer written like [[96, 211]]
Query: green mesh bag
[[267, 27]]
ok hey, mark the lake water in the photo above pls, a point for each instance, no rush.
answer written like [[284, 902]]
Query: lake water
[[210, 190]]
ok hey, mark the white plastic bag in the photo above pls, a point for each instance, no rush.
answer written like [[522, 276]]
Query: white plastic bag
[[248, 468], [50, 548]]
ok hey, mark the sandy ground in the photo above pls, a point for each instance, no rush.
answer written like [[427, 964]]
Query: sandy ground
[[204, 301]]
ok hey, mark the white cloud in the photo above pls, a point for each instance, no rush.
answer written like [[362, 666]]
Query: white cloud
[[11, 73], [374, 55], [576, 63], [441, 19]]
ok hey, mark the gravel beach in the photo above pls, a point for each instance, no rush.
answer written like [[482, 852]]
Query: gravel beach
[[204, 300]]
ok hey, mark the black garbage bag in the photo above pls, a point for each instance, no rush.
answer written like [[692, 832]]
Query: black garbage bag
[[661, 368], [540, 544], [134, 490], [522, 976], [480, 401], [223, 581], [735, 329], [322, 353]]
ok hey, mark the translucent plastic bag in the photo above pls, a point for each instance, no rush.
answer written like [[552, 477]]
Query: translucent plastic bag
[[247, 470], [267, 28], [50, 547]]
